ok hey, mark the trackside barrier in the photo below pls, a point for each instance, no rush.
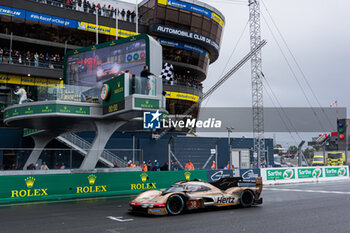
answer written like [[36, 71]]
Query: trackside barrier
[[35, 187], [303, 174]]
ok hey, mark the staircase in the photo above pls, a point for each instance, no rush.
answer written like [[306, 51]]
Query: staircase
[[82, 146]]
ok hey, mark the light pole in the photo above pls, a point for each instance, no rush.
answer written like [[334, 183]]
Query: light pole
[[229, 130]]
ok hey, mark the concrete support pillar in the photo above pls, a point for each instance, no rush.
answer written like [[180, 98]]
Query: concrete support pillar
[[40, 141], [104, 130]]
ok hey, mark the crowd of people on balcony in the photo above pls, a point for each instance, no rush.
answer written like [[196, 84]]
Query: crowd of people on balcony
[[91, 7], [184, 80], [30, 58]]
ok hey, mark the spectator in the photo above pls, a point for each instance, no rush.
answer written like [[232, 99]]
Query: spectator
[[28, 58], [1, 53], [13, 167], [46, 60], [52, 61], [176, 166], [133, 15], [115, 164], [165, 167], [44, 166], [213, 165], [156, 166], [145, 81], [56, 166], [63, 166], [36, 59], [189, 166], [104, 10], [22, 94], [144, 167], [149, 165], [123, 14], [31, 167], [41, 59], [128, 14], [85, 6]]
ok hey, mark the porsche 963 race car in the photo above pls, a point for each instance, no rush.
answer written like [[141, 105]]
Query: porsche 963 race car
[[197, 194]]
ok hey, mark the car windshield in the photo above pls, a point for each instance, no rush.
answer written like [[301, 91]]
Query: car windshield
[[175, 188], [318, 159], [335, 156], [184, 188]]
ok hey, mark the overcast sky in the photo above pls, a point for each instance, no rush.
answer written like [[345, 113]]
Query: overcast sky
[[316, 31], [317, 34]]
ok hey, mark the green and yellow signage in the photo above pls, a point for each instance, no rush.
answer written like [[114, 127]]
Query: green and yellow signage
[[307, 173], [116, 95], [59, 186], [336, 172], [280, 174], [47, 108], [146, 103]]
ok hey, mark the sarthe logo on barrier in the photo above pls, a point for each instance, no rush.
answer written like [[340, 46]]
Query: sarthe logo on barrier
[[151, 120]]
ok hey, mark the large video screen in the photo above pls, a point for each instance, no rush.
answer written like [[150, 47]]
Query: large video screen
[[93, 67]]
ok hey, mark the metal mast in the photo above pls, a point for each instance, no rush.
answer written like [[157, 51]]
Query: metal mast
[[257, 87]]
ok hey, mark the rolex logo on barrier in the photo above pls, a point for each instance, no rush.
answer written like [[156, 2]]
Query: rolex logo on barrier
[[29, 181], [144, 177], [143, 185], [92, 188], [187, 175], [92, 179]]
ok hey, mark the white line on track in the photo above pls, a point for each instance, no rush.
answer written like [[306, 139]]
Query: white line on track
[[63, 201], [307, 191], [119, 219]]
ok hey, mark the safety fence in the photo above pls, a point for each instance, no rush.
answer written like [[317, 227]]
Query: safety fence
[[28, 186], [35, 187]]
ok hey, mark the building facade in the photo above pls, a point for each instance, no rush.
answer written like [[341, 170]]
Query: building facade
[[35, 35]]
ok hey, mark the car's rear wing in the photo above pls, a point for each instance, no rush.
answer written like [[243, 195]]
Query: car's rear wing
[[229, 182]]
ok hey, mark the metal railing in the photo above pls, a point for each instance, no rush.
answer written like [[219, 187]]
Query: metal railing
[[197, 85], [31, 62], [91, 9], [85, 145], [60, 158]]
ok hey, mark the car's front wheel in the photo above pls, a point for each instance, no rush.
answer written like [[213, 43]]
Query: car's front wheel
[[175, 204]]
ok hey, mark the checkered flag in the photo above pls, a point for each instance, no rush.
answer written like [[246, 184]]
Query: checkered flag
[[167, 71]]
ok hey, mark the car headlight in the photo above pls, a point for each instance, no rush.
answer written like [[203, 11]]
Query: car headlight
[[115, 69], [147, 205], [99, 72]]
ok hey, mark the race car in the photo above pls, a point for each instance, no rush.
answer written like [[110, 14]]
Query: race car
[[107, 70], [198, 194]]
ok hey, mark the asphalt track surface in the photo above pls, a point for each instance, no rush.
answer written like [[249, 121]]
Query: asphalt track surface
[[316, 207]]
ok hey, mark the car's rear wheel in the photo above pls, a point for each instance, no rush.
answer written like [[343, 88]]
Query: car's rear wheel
[[247, 198], [175, 204]]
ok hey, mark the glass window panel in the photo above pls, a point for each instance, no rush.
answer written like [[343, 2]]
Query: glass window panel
[[172, 15]]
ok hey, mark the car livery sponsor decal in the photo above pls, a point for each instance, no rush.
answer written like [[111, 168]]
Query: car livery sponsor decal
[[225, 200]]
